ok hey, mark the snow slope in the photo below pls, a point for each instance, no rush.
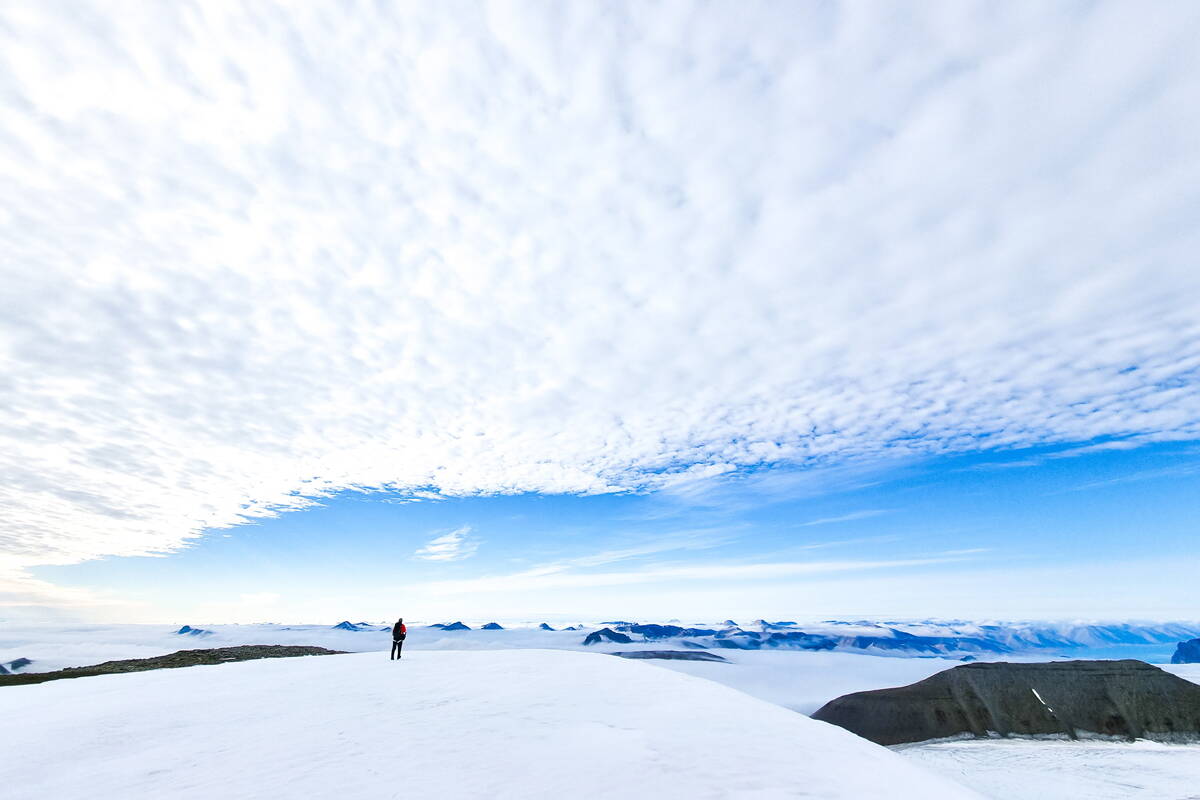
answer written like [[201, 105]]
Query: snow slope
[[503, 724]]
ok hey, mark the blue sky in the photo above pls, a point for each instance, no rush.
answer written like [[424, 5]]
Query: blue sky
[[1027, 533], [637, 291]]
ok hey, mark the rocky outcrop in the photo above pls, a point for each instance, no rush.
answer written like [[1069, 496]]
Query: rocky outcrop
[[672, 655], [1187, 652], [596, 637], [492, 626], [181, 658], [1126, 699], [544, 627]]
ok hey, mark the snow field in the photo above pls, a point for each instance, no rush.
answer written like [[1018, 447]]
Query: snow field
[[1024, 769], [439, 724]]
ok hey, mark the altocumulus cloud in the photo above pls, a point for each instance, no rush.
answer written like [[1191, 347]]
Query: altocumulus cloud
[[255, 255]]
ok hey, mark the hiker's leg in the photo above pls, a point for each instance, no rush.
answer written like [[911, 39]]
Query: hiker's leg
[[399, 647], [393, 656]]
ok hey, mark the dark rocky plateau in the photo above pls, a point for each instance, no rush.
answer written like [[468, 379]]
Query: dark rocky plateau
[[673, 655], [181, 658], [1126, 699]]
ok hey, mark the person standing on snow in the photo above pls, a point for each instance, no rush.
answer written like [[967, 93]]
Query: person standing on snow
[[399, 632]]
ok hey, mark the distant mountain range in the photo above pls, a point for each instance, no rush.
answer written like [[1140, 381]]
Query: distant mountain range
[[963, 639], [954, 638]]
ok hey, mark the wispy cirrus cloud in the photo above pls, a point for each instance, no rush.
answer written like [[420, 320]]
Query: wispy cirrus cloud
[[1163, 473], [453, 546], [852, 516], [246, 267]]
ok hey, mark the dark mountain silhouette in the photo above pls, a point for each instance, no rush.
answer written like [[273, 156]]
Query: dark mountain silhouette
[[544, 627], [901, 640], [596, 637], [651, 631], [1187, 652], [492, 626], [801, 640], [188, 630]]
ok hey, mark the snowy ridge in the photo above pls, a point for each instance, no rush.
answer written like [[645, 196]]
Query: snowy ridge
[[793, 680]]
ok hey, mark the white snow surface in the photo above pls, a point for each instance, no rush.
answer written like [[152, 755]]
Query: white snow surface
[[466, 724], [797, 680], [1030, 769]]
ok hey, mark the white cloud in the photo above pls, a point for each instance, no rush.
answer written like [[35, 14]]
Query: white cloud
[[252, 259], [22, 595], [853, 515], [453, 546], [559, 577]]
